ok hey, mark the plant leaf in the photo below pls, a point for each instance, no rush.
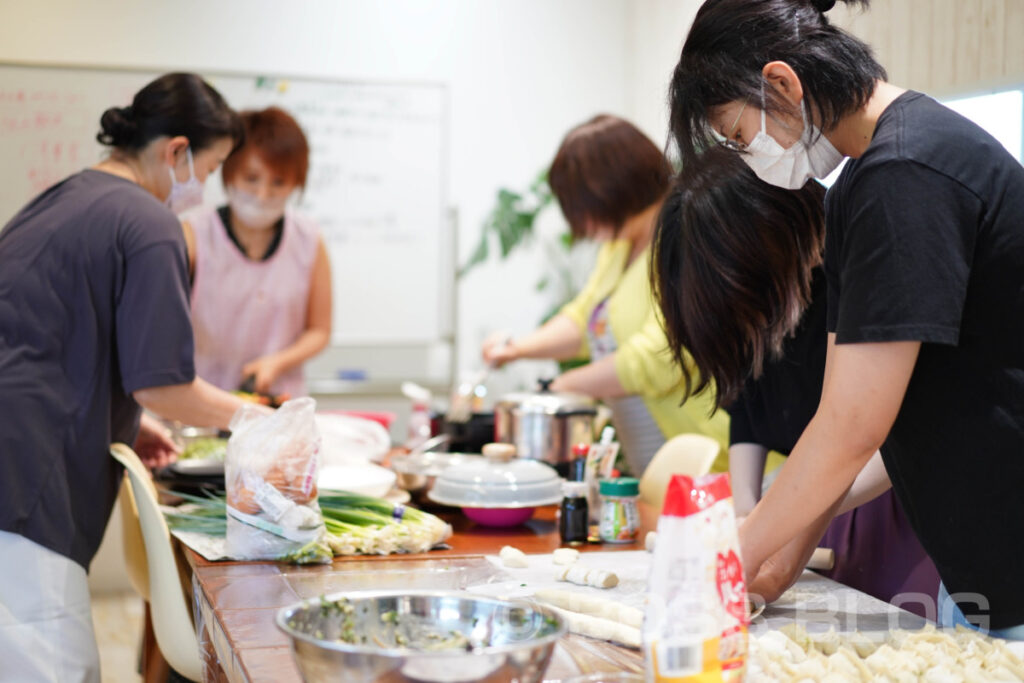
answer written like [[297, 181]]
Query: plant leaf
[[511, 220], [478, 256]]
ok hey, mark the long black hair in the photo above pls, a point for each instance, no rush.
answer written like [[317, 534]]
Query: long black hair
[[731, 265], [731, 41], [173, 104]]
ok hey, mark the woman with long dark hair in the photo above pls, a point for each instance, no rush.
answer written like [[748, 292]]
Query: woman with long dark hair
[[736, 264], [923, 259], [94, 325]]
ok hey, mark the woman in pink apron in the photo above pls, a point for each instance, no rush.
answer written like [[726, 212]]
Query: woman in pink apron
[[261, 281]]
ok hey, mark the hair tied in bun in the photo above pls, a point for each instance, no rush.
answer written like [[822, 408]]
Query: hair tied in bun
[[823, 5], [118, 127]]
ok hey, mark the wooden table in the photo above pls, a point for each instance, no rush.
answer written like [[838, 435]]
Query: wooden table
[[236, 602]]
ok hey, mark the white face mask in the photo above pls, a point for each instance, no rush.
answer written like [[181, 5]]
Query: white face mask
[[259, 214], [188, 194], [812, 156]]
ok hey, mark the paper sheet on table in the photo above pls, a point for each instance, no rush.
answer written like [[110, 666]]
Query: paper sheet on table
[[212, 548], [631, 566]]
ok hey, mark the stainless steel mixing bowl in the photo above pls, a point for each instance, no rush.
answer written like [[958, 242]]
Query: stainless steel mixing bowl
[[352, 637]]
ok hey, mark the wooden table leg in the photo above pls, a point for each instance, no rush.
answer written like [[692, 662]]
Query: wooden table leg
[[154, 667]]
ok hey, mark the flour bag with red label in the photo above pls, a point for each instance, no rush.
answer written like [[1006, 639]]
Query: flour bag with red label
[[695, 626]]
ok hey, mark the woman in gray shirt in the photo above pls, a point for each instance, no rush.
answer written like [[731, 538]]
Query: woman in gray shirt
[[94, 326]]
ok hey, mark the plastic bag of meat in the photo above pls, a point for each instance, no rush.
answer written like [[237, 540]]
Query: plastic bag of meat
[[270, 475]]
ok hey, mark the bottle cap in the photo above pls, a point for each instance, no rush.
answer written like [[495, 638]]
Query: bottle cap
[[574, 489], [580, 450], [623, 486]]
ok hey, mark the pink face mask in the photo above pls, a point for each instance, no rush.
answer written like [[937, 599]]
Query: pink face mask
[[188, 194]]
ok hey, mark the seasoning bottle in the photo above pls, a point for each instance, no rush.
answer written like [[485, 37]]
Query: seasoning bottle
[[578, 464], [620, 520], [573, 523]]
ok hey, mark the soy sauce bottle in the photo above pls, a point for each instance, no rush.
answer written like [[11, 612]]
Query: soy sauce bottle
[[573, 522]]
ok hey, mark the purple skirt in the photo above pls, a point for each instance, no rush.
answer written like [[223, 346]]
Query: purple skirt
[[877, 553]]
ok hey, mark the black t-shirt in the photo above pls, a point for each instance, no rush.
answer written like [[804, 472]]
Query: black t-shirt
[[93, 306], [774, 409], [925, 242]]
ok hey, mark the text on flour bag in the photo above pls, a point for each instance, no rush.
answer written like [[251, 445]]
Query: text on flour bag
[[695, 626]]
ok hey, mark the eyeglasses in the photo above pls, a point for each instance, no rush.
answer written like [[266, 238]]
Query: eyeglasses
[[727, 141]]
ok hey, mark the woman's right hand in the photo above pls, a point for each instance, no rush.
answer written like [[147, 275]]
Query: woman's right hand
[[498, 349]]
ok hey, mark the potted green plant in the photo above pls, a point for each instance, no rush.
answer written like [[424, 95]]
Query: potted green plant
[[512, 224]]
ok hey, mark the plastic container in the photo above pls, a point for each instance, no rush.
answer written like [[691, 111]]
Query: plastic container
[[419, 425], [383, 418], [620, 520], [573, 522], [480, 482], [498, 517]]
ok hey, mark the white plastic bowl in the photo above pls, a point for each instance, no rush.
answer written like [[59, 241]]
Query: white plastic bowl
[[368, 479]]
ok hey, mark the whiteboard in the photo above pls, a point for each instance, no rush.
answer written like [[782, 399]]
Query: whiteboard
[[376, 183]]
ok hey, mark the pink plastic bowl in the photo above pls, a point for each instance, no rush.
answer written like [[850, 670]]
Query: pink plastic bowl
[[499, 516]]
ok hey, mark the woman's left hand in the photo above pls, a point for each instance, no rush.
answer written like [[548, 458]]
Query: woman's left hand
[[153, 445], [775, 576], [266, 370]]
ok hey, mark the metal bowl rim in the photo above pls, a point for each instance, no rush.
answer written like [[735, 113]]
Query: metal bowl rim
[[337, 646]]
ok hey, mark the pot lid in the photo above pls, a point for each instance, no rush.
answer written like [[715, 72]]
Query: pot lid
[[548, 402], [491, 482]]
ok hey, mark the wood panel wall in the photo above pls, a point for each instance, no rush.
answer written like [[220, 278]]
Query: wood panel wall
[[943, 47]]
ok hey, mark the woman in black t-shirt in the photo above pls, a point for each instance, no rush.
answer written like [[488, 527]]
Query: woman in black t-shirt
[[738, 264], [94, 323], [923, 259]]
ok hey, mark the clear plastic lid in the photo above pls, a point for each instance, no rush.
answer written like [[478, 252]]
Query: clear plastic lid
[[495, 483]]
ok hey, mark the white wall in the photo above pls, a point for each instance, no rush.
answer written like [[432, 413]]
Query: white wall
[[520, 73], [657, 32], [946, 48]]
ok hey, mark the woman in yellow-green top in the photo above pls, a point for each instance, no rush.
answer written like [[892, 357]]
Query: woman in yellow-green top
[[610, 180]]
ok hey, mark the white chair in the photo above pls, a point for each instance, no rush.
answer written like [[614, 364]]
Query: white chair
[[152, 567], [691, 454]]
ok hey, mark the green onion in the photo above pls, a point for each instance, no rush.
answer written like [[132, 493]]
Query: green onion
[[355, 525]]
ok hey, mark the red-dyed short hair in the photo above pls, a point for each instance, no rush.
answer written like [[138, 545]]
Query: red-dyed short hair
[[277, 139], [606, 171]]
